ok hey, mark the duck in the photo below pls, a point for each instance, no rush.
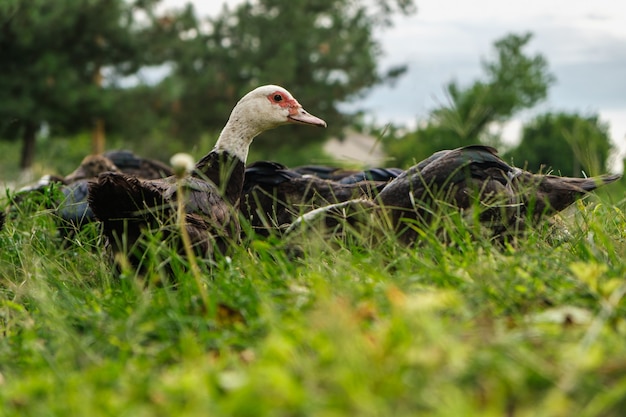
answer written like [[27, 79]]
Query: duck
[[372, 174], [211, 193], [92, 165], [65, 196], [132, 164], [73, 209], [474, 176], [274, 195], [89, 167], [324, 171], [508, 199], [345, 175]]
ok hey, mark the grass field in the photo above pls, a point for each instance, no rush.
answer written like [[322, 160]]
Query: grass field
[[320, 326]]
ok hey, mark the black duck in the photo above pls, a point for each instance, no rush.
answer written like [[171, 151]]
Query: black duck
[[475, 177], [127, 205], [273, 195]]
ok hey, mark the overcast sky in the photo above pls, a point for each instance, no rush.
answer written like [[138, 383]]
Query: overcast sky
[[584, 42]]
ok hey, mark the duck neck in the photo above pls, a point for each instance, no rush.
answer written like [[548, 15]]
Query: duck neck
[[236, 136], [226, 171], [225, 164]]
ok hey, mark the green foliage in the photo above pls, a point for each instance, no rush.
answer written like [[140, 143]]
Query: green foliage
[[71, 42], [566, 143], [518, 81], [53, 55], [322, 51], [513, 81], [569, 144], [460, 327]]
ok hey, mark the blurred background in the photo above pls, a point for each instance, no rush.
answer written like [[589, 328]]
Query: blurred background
[[396, 80]]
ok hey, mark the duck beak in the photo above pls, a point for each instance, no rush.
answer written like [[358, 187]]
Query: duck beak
[[299, 115]]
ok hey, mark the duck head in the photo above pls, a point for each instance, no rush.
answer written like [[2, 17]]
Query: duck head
[[262, 109]]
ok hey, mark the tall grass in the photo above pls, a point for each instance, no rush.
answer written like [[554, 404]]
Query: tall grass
[[319, 325]]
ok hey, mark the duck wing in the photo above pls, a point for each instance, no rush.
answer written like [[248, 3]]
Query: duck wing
[[73, 207], [275, 195], [132, 164], [372, 174], [549, 194]]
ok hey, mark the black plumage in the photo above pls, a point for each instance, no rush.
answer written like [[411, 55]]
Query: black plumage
[[210, 194], [372, 174], [127, 205], [471, 180], [66, 196], [132, 164], [324, 171], [475, 177], [273, 195]]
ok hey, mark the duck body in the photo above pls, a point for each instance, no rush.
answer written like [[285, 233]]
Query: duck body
[[274, 196], [475, 177], [372, 174], [127, 206], [325, 172], [72, 206], [132, 164], [67, 196]]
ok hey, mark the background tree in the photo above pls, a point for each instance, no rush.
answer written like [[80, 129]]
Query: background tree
[[324, 51], [566, 143], [513, 81], [52, 57]]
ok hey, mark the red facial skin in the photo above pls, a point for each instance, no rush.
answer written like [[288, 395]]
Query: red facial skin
[[296, 113], [282, 100]]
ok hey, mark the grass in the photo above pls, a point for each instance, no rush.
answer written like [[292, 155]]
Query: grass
[[462, 328]]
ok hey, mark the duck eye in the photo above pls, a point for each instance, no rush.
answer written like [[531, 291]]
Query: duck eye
[[278, 97]]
